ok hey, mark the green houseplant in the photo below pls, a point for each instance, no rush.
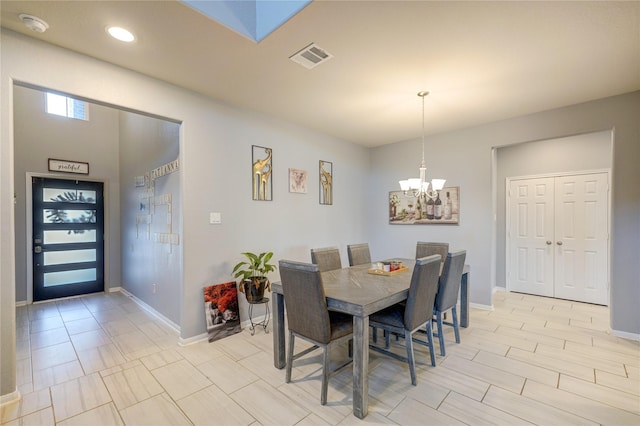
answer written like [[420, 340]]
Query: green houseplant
[[254, 272]]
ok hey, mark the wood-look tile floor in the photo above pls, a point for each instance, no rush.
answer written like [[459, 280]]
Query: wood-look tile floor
[[102, 360]]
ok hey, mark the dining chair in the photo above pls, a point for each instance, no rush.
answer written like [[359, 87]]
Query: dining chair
[[407, 318], [424, 249], [447, 297], [327, 259], [358, 254], [308, 317]]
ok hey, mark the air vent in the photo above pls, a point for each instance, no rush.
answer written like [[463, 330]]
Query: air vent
[[311, 56]]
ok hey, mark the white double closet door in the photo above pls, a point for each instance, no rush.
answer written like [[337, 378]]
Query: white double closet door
[[558, 237]]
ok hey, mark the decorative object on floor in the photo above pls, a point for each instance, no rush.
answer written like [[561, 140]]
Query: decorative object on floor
[[261, 169], [326, 182], [298, 181], [254, 275], [419, 187], [221, 310], [445, 209]]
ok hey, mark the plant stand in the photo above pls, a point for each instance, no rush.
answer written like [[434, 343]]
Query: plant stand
[[265, 320]]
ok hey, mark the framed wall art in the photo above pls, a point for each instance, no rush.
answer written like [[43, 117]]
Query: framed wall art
[[409, 210], [261, 168], [221, 310], [326, 182], [298, 181], [66, 166]]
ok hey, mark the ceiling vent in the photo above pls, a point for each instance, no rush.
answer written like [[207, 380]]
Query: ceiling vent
[[311, 56]]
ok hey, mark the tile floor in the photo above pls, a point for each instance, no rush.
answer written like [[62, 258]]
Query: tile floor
[[102, 360]]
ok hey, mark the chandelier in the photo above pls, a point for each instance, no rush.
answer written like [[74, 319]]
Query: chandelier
[[419, 187]]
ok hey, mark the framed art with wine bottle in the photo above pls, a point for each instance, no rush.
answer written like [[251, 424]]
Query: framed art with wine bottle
[[410, 210]]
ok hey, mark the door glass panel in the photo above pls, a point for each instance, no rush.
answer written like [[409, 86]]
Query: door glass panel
[[68, 216], [69, 256], [68, 195], [69, 277], [68, 236]]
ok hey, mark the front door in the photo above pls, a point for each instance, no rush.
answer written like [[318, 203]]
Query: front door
[[558, 237], [68, 238]]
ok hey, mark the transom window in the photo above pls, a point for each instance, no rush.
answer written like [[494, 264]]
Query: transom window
[[67, 107]]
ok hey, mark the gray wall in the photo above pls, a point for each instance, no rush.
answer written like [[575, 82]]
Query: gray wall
[[215, 154], [215, 149], [39, 136], [145, 144], [465, 158], [591, 151]]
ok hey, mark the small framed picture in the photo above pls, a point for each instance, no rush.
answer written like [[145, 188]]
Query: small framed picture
[[298, 181]]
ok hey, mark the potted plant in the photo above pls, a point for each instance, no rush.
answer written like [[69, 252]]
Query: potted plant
[[254, 272]]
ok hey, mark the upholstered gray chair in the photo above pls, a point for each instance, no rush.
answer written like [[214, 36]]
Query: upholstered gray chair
[[309, 318], [327, 259], [358, 254], [424, 249], [407, 318], [447, 297]]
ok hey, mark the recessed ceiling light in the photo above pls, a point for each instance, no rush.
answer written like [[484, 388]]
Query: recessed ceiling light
[[121, 34]]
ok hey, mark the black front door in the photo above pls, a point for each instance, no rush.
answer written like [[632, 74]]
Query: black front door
[[68, 238]]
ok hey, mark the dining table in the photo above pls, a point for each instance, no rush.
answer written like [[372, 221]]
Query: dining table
[[359, 291]]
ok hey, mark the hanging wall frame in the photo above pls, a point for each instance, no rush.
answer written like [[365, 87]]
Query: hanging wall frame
[[408, 210], [326, 182], [262, 166]]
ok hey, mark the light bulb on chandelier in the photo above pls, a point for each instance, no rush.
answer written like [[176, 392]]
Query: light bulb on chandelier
[[419, 187]]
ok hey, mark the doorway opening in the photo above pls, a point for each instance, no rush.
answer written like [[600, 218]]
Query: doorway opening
[[558, 236]]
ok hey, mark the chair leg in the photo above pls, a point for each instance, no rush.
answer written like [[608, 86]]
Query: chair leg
[[456, 329], [290, 357], [432, 351], [440, 332], [375, 335], [325, 375], [387, 339], [410, 358]]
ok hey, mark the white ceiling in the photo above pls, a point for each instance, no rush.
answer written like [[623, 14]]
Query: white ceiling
[[481, 61]]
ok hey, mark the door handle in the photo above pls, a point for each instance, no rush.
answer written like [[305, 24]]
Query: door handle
[[559, 243], [37, 249], [549, 243]]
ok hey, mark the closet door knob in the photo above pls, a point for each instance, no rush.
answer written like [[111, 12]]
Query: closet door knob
[[548, 243], [559, 243]]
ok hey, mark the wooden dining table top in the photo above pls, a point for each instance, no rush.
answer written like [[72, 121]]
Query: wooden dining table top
[[355, 291]]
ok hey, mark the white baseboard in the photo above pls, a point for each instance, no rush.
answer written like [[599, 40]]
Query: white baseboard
[[481, 306], [21, 303], [193, 340], [626, 335], [149, 309], [10, 397], [204, 336]]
